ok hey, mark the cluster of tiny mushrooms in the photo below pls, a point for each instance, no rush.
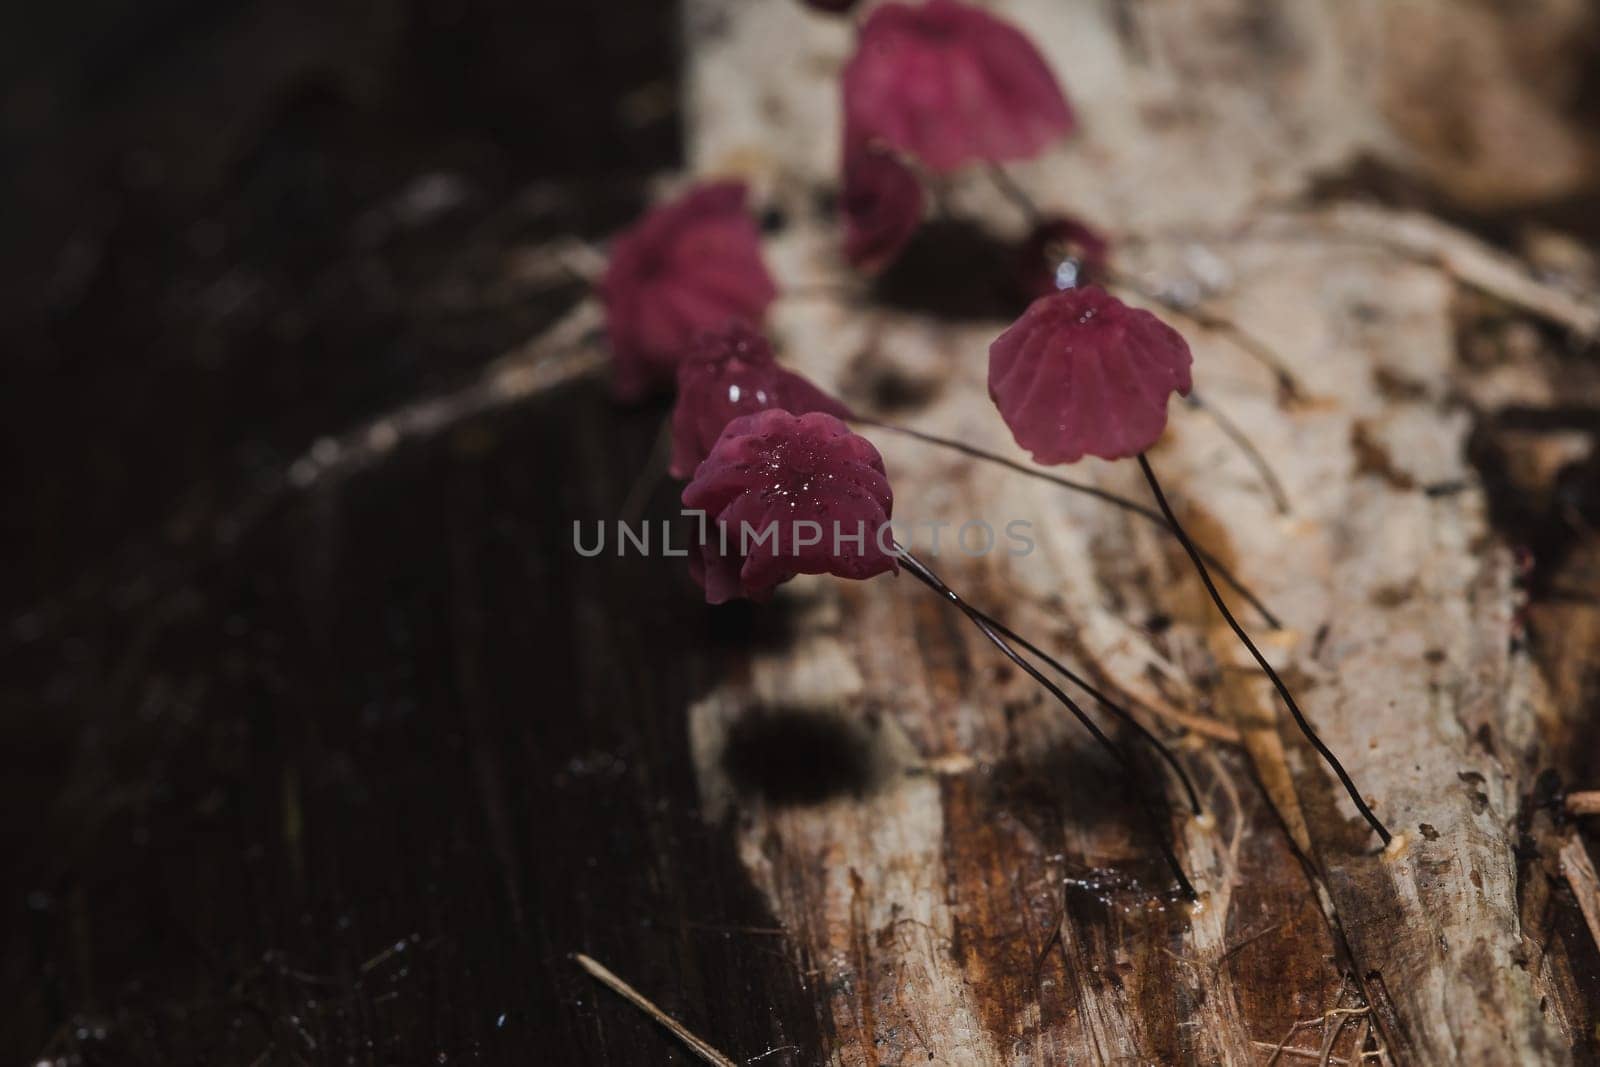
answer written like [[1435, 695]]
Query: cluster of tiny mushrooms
[[931, 89]]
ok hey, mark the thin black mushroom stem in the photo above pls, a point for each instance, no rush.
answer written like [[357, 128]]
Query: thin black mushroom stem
[[1283, 690], [920, 571], [1106, 702], [1130, 506]]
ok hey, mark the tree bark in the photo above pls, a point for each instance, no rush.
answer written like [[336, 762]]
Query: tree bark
[[976, 886]]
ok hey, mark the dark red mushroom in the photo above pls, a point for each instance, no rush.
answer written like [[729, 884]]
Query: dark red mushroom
[[689, 266], [801, 494], [951, 84], [729, 374], [733, 372], [773, 480], [1081, 373], [882, 206]]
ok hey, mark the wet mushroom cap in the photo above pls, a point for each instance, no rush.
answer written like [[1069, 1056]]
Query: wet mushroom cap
[[882, 207], [951, 84], [726, 374], [784, 495], [689, 266], [1081, 373]]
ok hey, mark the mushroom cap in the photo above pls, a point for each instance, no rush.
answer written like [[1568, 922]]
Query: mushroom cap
[[730, 373], [951, 84], [771, 481], [882, 206], [1082, 373], [688, 266]]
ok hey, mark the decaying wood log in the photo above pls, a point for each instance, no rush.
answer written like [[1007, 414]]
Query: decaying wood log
[[964, 878], [1579, 871]]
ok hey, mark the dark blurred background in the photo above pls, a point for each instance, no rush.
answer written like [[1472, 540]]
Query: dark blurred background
[[343, 780], [231, 226]]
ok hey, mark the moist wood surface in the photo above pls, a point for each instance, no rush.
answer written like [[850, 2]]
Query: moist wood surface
[[342, 769], [961, 924]]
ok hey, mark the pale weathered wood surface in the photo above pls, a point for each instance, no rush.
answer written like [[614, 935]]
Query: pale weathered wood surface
[[321, 746], [923, 894]]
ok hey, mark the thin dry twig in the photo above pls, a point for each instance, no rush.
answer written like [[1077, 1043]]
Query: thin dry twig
[[1291, 1050], [1470, 262], [1369, 1036], [638, 1000], [1330, 1036], [1585, 802], [558, 355], [1204, 725], [1578, 869], [1325, 1053]]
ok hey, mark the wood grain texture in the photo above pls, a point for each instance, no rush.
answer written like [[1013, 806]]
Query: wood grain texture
[[303, 769], [955, 922], [320, 745]]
